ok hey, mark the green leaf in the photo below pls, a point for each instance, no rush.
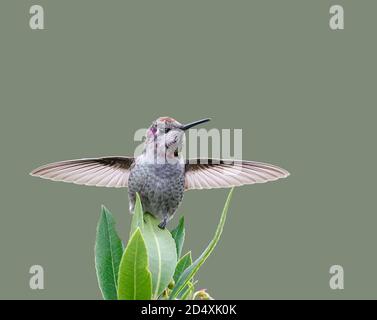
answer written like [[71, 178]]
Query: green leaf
[[137, 218], [187, 292], [108, 253], [160, 245], [178, 235], [193, 269], [135, 281], [182, 265], [162, 254]]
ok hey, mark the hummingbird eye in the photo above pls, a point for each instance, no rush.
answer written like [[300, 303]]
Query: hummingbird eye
[[167, 130]]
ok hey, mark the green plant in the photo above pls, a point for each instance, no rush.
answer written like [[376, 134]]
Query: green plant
[[151, 266]]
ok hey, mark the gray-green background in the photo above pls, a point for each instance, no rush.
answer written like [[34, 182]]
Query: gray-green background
[[304, 96]]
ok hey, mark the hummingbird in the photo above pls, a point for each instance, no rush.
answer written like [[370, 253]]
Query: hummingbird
[[160, 174]]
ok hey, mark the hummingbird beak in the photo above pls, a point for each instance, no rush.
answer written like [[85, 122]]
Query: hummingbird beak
[[195, 123]]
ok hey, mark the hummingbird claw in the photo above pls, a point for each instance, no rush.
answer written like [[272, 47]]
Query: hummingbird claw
[[162, 224]]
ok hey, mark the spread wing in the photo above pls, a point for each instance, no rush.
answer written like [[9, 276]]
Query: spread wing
[[100, 172], [214, 173]]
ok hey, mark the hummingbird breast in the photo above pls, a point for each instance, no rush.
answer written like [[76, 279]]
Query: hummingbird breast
[[160, 186]]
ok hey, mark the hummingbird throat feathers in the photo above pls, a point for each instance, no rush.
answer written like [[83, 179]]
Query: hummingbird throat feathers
[[162, 150]]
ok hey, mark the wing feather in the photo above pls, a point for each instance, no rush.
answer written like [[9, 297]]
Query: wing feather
[[214, 173], [101, 172]]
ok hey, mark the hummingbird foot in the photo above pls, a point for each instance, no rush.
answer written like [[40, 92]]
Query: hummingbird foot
[[163, 223]]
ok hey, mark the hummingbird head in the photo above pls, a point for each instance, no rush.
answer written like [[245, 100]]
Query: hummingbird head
[[166, 136]]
